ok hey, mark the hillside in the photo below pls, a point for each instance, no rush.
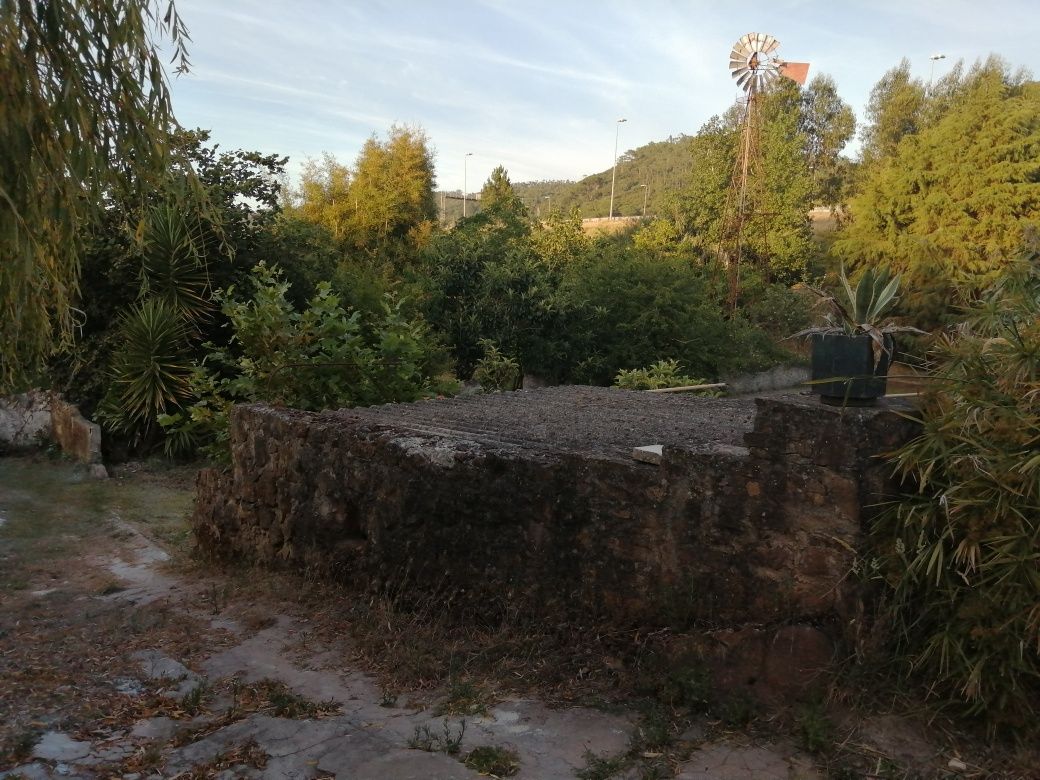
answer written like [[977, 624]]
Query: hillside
[[663, 165]]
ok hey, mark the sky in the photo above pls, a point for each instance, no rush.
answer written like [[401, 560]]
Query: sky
[[538, 86]]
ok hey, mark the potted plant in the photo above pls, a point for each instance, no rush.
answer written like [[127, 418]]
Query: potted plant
[[853, 350]]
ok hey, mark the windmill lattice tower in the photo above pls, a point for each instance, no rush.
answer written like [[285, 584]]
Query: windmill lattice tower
[[754, 65]]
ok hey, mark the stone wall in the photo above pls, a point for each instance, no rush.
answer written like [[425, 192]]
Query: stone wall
[[28, 419], [716, 534]]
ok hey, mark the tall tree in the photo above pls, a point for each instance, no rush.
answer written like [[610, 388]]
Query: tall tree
[[894, 111], [498, 196], [779, 227], [954, 202], [84, 111], [829, 124], [393, 189]]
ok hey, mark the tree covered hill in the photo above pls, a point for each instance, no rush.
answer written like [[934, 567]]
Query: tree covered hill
[[664, 166]]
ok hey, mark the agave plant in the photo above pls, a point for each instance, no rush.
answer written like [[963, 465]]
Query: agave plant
[[862, 310]]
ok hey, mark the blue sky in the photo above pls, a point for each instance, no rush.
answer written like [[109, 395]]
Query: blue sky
[[537, 86]]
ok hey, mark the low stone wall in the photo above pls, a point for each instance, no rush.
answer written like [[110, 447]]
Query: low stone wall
[[30, 418], [716, 534]]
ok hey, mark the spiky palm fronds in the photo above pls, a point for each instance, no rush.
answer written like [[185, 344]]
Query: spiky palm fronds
[[153, 367], [173, 263]]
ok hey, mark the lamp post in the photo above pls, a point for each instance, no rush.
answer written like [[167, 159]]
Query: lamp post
[[613, 175], [465, 186], [931, 70], [646, 194]]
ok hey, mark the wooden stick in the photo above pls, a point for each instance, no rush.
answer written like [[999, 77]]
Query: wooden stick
[[687, 387]]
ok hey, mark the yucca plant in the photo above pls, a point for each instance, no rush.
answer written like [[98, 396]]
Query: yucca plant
[[961, 552], [152, 368], [173, 263]]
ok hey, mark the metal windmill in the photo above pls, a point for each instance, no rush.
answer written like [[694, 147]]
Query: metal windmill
[[754, 65]]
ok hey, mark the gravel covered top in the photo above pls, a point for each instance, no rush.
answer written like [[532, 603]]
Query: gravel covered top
[[571, 418]]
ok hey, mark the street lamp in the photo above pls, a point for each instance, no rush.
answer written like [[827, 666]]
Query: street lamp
[[931, 70], [613, 175], [646, 194], [465, 189]]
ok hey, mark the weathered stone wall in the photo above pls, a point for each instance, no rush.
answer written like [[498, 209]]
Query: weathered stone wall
[[717, 534], [28, 418]]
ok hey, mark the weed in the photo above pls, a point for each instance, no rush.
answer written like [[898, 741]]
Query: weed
[[22, 746], [816, 729], [450, 742], [217, 597], [276, 698], [687, 685], [653, 732], [464, 698], [494, 761], [193, 700], [736, 710], [387, 698], [601, 767]]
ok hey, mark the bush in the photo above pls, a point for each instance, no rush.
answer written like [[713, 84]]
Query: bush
[[960, 554], [663, 373], [152, 369], [496, 372], [624, 308], [321, 357]]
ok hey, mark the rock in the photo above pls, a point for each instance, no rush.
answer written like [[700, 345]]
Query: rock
[[161, 729], [56, 746], [159, 666], [651, 453], [98, 471]]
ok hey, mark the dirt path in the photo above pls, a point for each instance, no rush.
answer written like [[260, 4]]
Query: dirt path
[[120, 657]]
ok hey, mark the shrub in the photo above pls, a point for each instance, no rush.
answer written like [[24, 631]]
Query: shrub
[[151, 372], [663, 373], [960, 554], [318, 358], [496, 372]]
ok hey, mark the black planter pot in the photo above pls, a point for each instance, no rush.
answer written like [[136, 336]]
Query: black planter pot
[[849, 362]]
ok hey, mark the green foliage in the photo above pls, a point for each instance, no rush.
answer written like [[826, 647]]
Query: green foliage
[[173, 263], [497, 196], [318, 358], [893, 112], [623, 308], [383, 207], [777, 237], [493, 761], [828, 124], [947, 200], [959, 554], [662, 165], [496, 372], [78, 124], [152, 369], [815, 728], [663, 373]]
